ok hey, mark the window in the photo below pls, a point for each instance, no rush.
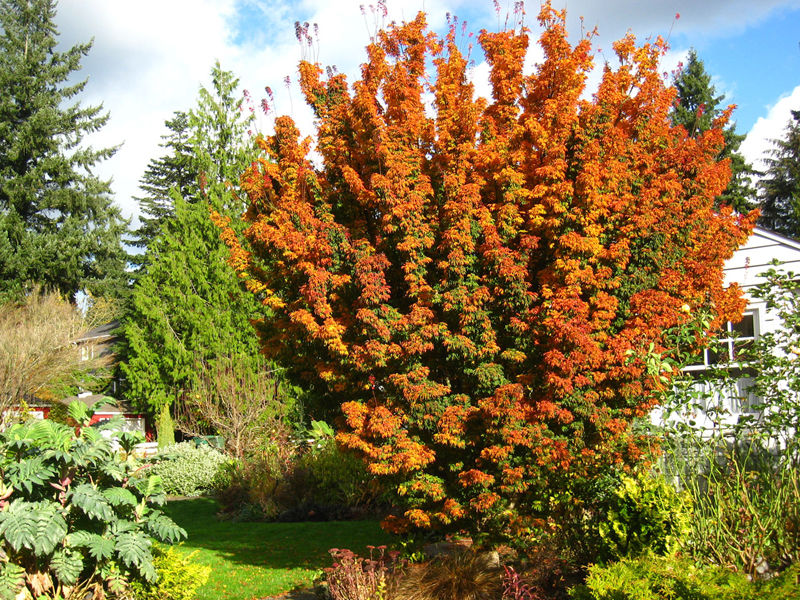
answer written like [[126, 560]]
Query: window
[[745, 400], [731, 341], [734, 338], [87, 352]]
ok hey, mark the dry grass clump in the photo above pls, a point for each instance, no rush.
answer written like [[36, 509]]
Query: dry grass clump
[[465, 576]]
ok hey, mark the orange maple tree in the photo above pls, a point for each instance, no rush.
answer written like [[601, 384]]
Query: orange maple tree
[[478, 285]]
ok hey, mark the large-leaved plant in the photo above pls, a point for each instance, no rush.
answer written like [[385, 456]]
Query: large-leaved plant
[[74, 514]]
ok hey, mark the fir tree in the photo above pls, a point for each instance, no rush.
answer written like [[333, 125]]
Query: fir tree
[[173, 171], [696, 108], [58, 225], [201, 149], [187, 305], [780, 187]]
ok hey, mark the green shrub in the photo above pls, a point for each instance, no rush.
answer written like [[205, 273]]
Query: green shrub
[[186, 470], [336, 476], [74, 519], [178, 576], [741, 470], [646, 516], [290, 481], [246, 489], [658, 578], [786, 586]]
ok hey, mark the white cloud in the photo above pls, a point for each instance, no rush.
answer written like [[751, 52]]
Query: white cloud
[[614, 18], [148, 60], [757, 144]]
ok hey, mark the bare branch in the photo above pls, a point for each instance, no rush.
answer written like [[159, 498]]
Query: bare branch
[[236, 399], [39, 346]]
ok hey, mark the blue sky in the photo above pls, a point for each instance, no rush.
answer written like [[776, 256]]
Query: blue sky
[[150, 57], [754, 66]]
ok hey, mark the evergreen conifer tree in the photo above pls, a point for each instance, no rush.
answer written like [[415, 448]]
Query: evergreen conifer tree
[[59, 227], [780, 187], [174, 171], [696, 107], [187, 305]]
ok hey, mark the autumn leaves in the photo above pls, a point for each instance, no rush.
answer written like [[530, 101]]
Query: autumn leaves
[[494, 265]]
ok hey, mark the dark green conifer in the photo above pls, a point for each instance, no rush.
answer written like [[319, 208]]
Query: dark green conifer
[[188, 306], [176, 171], [780, 187], [696, 107], [59, 227]]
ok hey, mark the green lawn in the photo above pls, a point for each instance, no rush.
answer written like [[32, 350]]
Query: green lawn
[[254, 560]]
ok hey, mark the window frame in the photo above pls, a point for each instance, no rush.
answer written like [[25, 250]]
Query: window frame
[[730, 341], [743, 399]]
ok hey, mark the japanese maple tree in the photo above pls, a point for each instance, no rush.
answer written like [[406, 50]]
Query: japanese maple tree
[[480, 285]]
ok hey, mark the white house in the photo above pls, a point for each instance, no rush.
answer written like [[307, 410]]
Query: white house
[[745, 267]]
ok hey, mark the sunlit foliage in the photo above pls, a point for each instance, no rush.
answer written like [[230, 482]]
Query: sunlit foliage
[[480, 283]]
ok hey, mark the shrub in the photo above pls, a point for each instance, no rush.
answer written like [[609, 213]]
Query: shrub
[[74, 518], [543, 572], [746, 512], [656, 578], [645, 516], [743, 473], [238, 397], [247, 489], [187, 470], [165, 428], [288, 481], [337, 476], [178, 576], [475, 287], [516, 587]]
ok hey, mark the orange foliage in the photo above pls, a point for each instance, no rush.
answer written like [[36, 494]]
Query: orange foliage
[[496, 267]]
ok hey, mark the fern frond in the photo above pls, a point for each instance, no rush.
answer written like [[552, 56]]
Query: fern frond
[[155, 486], [12, 578], [50, 435], [114, 578], [37, 526], [18, 437], [91, 435], [134, 550], [67, 565], [29, 472], [98, 546], [19, 525], [120, 527], [118, 496], [51, 528], [80, 538], [149, 572], [89, 455], [79, 412], [92, 502], [164, 529], [116, 471]]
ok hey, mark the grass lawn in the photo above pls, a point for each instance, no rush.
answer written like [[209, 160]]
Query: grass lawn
[[254, 560]]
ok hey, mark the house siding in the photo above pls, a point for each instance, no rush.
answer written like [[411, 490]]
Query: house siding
[[754, 259]]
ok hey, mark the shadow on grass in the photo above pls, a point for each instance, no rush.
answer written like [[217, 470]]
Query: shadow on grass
[[271, 545]]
